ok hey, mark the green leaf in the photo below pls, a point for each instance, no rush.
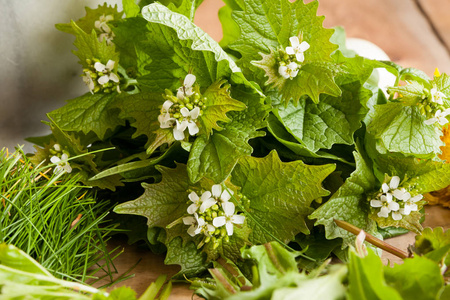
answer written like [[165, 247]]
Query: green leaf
[[216, 157], [90, 112], [130, 8], [218, 102], [163, 202], [90, 48], [87, 23], [177, 47], [401, 129], [349, 204], [277, 21], [279, 193], [15, 258], [191, 260], [409, 94], [339, 38], [122, 293], [366, 279], [416, 278], [230, 28], [186, 7], [332, 121]]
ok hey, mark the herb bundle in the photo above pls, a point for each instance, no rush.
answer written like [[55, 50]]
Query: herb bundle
[[271, 135]]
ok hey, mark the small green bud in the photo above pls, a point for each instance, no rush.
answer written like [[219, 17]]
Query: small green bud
[[208, 218], [216, 245], [223, 232], [227, 239], [215, 207], [422, 110], [107, 91], [177, 115], [214, 214], [88, 61], [428, 108], [207, 239], [217, 231], [189, 106]]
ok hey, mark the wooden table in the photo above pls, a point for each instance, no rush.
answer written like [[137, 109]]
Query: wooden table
[[414, 33]]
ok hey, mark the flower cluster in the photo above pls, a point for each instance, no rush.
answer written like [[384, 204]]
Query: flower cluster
[[212, 214], [292, 57], [60, 157], [100, 77], [106, 33], [395, 200], [432, 107], [180, 112]]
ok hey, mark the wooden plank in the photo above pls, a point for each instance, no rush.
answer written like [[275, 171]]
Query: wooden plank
[[437, 12], [398, 27]]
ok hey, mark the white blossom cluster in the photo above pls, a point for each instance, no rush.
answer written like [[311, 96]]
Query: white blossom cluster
[[106, 34], [60, 159], [181, 112], [212, 214], [394, 201], [101, 77], [433, 108], [291, 61]]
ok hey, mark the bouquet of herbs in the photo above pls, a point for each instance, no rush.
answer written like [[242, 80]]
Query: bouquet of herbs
[[272, 134]]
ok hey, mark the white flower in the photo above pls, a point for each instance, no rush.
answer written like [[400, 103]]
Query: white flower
[[89, 81], [229, 219], [57, 147], [297, 48], [218, 194], [289, 71], [361, 249], [186, 89], [410, 205], [108, 37], [436, 96], [61, 164], [440, 117], [165, 120], [397, 215], [188, 122], [197, 225], [107, 71], [101, 23], [386, 204]]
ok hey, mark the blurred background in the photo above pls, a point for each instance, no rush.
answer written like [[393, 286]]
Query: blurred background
[[38, 72]]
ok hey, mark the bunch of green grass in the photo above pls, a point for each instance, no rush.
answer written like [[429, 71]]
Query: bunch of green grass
[[53, 219]]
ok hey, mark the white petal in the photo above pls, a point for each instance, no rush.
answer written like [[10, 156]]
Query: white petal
[[384, 187], [206, 195], [55, 159], [193, 197], [406, 210], [58, 169], [294, 41], [216, 190], [192, 208], [68, 168], [293, 66], [189, 80], [388, 197], [195, 113], [225, 196], [193, 128], [376, 203], [189, 220], [395, 181], [192, 230], [185, 112], [290, 50], [300, 56], [178, 134], [210, 228], [57, 147], [64, 156], [283, 71], [182, 126], [207, 204], [228, 208], [188, 91], [384, 212], [416, 198], [393, 206], [303, 46], [219, 221], [294, 73], [99, 67], [201, 222], [238, 219], [167, 105], [110, 65], [103, 80], [229, 227], [396, 216], [113, 77], [413, 207], [442, 121], [180, 93]]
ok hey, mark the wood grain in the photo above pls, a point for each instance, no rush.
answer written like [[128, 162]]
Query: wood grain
[[438, 13]]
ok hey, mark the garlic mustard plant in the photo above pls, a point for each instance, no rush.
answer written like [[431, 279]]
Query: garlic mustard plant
[[106, 34], [60, 159], [292, 57], [181, 112], [394, 201], [100, 77], [210, 211]]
